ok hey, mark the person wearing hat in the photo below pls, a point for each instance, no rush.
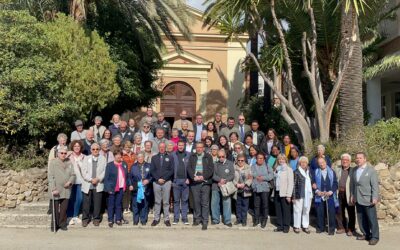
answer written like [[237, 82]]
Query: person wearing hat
[[79, 133], [98, 129]]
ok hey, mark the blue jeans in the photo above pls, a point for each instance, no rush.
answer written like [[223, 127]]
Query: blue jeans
[[242, 206], [75, 201], [216, 197], [140, 210], [114, 205], [181, 198]]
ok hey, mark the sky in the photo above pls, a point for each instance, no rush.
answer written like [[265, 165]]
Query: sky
[[196, 3]]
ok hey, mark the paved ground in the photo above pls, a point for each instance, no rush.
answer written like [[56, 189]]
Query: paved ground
[[134, 238]]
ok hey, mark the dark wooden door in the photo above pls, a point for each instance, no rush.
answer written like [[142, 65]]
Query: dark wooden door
[[176, 97]]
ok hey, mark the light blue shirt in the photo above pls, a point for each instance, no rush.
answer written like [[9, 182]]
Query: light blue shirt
[[359, 172], [198, 132]]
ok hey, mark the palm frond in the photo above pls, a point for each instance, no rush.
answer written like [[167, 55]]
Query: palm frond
[[385, 64]]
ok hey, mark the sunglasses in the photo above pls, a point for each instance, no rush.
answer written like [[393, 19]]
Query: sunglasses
[[221, 156], [63, 153], [146, 127], [95, 149], [241, 119]]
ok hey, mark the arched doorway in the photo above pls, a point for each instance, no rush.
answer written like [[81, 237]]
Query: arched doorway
[[176, 97]]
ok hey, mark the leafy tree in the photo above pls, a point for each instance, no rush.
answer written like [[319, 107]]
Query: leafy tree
[[50, 74]]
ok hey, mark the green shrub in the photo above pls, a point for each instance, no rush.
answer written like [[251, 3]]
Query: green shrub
[[382, 143], [22, 158]]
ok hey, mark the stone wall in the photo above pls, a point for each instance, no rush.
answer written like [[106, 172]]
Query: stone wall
[[24, 186]]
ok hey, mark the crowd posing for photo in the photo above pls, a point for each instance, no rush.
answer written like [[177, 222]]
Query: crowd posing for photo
[[151, 166]]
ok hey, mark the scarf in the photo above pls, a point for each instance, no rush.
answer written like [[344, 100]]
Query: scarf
[[307, 189], [318, 175], [120, 168], [140, 193]]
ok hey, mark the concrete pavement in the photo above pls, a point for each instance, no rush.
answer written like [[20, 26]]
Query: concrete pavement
[[188, 238]]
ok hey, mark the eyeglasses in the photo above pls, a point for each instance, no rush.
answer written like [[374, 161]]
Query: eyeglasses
[[63, 153], [221, 156], [95, 149], [240, 160], [241, 119], [146, 126]]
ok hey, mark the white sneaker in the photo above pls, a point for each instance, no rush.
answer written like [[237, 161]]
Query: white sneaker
[[126, 211], [174, 223], [186, 223], [78, 221], [71, 221]]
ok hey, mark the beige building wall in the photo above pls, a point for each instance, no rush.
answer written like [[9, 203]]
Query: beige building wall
[[210, 65]]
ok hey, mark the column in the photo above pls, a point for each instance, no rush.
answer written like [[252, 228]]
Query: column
[[203, 95], [374, 96]]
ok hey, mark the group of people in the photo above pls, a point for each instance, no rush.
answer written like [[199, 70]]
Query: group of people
[[201, 167]]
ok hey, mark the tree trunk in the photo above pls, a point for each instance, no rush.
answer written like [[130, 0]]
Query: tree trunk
[[77, 10], [351, 114]]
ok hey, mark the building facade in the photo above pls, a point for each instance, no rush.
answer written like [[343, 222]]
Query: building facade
[[383, 92], [205, 76]]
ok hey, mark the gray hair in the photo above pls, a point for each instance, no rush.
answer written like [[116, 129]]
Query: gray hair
[[137, 135], [303, 159], [104, 141], [94, 144], [140, 154], [117, 136], [62, 148], [62, 135], [345, 155], [214, 146], [222, 151], [320, 146]]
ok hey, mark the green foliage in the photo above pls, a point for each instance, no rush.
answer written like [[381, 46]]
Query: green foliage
[[23, 158], [50, 72], [253, 109], [382, 143]]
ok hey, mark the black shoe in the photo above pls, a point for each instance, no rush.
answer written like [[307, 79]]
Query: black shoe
[[64, 228], [136, 223], [228, 225], [373, 242], [214, 223], [318, 231], [263, 223], [119, 223], [361, 237], [85, 223], [285, 231], [167, 223], [331, 233], [204, 227], [244, 224], [154, 223], [143, 223], [237, 223], [278, 230], [110, 224], [125, 221], [255, 223], [196, 223]]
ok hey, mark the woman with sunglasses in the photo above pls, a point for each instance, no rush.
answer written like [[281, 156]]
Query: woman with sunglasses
[[243, 180]]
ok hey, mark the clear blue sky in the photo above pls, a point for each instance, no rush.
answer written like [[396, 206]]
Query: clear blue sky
[[198, 4]]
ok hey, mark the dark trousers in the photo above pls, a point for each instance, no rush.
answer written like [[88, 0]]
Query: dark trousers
[[261, 206], [114, 205], [368, 221], [321, 213], [60, 213], [181, 199], [342, 222], [201, 202], [140, 210], [242, 206], [126, 201], [91, 199], [282, 209]]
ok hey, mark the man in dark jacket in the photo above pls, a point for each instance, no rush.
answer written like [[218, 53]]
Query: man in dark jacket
[[200, 171], [256, 134], [162, 172], [181, 183], [224, 172]]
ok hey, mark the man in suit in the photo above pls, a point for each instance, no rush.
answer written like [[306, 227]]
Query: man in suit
[[123, 131], [115, 121], [93, 170], [365, 195], [198, 127], [344, 173], [218, 123], [200, 171], [242, 127], [162, 171], [87, 142], [256, 134]]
